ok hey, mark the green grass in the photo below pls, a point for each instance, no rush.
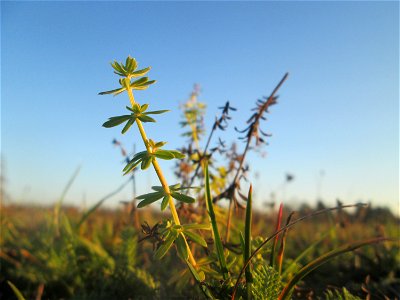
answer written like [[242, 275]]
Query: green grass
[[102, 259]]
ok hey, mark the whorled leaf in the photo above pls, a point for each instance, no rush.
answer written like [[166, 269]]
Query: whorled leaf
[[135, 161], [182, 197], [146, 162], [163, 249], [164, 154], [165, 202], [182, 248], [115, 121], [128, 125], [196, 238], [141, 72], [196, 226], [149, 198], [114, 92]]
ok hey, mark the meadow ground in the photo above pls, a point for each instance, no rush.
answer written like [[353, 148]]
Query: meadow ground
[[50, 257]]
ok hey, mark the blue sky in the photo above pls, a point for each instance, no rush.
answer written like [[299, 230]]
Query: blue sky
[[338, 112]]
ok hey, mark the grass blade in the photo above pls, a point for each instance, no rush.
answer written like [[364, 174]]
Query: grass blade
[[279, 258], [196, 238], [58, 205], [247, 243], [278, 226], [287, 291], [16, 291], [319, 212], [100, 202], [293, 264], [216, 236]]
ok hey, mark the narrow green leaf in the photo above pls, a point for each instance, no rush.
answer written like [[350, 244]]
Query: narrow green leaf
[[160, 144], [130, 109], [157, 188], [151, 143], [115, 121], [143, 86], [163, 249], [118, 73], [131, 167], [117, 67], [145, 118], [16, 291], [174, 186], [136, 108], [128, 63], [140, 81], [242, 243], [156, 195], [182, 248], [196, 238], [194, 272], [217, 239], [164, 154], [128, 125], [123, 67], [137, 157], [149, 200], [133, 63], [115, 92], [196, 226], [182, 197], [198, 188], [177, 154], [165, 202], [143, 108], [157, 112], [146, 162], [141, 72]]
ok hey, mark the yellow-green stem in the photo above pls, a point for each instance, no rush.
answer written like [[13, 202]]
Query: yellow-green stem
[[160, 176]]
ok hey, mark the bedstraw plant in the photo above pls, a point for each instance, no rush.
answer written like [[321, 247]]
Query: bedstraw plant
[[133, 79], [220, 263]]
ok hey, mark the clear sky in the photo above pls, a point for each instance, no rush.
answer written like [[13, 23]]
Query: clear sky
[[338, 114]]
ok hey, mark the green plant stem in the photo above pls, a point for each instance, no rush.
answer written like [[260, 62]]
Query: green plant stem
[[160, 176], [217, 239], [247, 242]]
